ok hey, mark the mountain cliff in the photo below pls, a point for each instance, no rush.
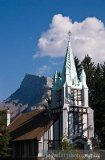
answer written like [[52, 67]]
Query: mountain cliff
[[31, 94]]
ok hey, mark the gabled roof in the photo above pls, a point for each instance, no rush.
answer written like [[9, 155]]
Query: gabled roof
[[31, 125]]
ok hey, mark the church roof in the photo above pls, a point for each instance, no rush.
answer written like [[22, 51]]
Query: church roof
[[69, 70], [31, 125], [69, 73]]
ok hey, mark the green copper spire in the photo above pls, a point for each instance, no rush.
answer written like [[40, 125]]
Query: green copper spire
[[69, 73]]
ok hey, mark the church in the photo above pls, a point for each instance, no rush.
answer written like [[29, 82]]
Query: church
[[36, 132], [70, 94]]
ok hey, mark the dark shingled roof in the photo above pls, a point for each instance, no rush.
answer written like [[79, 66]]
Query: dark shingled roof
[[31, 125]]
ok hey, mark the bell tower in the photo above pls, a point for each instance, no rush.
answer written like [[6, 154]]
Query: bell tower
[[70, 94]]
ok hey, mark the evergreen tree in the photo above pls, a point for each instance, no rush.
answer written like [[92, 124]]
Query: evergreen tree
[[89, 68], [100, 103], [4, 135], [96, 82]]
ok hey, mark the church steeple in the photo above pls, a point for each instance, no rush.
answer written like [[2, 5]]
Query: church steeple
[[71, 96], [69, 70]]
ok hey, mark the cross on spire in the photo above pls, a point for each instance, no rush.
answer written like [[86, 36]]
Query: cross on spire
[[69, 35]]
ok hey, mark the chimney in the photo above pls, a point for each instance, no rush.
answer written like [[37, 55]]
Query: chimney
[[8, 116]]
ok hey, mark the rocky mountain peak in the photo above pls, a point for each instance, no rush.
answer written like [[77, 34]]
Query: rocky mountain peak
[[31, 94]]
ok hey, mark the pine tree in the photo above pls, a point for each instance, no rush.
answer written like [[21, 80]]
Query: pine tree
[[96, 82], [4, 135], [100, 105], [89, 68]]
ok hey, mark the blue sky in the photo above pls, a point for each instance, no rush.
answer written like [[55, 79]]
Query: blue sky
[[22, 23]]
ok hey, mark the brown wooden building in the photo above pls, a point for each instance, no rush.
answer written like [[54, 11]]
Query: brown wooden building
[[32, 134]]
